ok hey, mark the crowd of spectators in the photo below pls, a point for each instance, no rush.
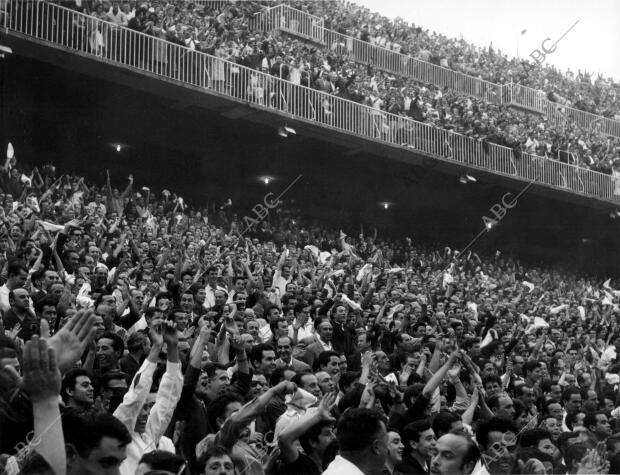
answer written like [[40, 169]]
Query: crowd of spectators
[[600, 96], [143, 334], [223, 29]]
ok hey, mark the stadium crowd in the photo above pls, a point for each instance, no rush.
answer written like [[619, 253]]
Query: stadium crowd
[[600, 96], [144, 335], [223, 29]]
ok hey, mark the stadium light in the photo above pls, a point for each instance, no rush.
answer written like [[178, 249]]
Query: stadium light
[[285, 131], [4, 50], [464, 179]]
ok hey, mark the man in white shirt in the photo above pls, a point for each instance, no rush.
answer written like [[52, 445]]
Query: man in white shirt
[[362, 438], [211, 288], [147, 416]]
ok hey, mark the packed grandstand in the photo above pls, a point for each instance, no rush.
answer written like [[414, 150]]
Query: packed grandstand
[[143, 334]]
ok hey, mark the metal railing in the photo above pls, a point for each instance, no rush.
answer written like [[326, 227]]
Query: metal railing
[[277, 18], [292, 21], [106, 42]]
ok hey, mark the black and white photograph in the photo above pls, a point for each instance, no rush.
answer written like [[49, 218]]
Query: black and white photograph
[[309, 237]]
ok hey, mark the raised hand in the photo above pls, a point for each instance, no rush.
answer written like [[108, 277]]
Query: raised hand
[[42, 378], [71, 340], [12, 334], [328, 401], [171, 336]]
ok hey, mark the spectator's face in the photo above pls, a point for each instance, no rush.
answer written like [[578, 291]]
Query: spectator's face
[[187, 302], [104, 459], [252, 329], [527, 396], [49, 278], [49, 313], [383, 362], [333, 366], [492, 387], [181, 320], [556, 392], [553, 426], [310, 383], [220, 298], [220, 466], [425, 445], [99, 326], [448, 456], [326, 383], [574, 403], [505, 408], [83, 392], [219, 381], [501, 452], [106, 355], [18, 281], [259, 385], [556, 411], [602, 428], [395, 448], [326, 331], [268, 363], [284, 348], [20, 299]]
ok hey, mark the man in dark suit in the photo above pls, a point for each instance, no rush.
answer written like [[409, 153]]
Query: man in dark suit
[[419, 441], [322, 341], [285, 359]]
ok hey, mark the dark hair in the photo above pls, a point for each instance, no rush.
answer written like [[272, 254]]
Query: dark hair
[[568, 392], [411, 432], [493, 424], [46, 301], [69, 380], [217, 407], [15, 267], [85, 430], [529, 366], [256, 353], [574, 455], [273, 325], [299, 307], [117, 342], [531, 438], [297, 379], [358, 428], [442, 423], [324, 357], [163, 460], [492, 378], [590, 419], [312, 435], [210, 368], [215, 451], [571, 418]]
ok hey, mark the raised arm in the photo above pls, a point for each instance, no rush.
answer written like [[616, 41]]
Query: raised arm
[[129, 410], [42, 384], [169, 391], [292, 432]]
